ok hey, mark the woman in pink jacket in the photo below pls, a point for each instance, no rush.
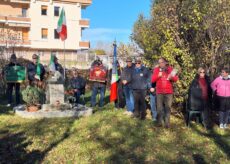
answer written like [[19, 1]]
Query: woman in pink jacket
[[221, 86]]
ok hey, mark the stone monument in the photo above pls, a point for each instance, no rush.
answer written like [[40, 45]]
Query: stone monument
[[55, 105], [55, 89]]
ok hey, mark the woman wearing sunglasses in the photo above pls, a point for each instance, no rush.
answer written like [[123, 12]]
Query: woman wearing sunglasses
[[200, 94]]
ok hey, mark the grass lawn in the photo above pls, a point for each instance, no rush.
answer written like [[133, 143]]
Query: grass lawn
[[108, 136]]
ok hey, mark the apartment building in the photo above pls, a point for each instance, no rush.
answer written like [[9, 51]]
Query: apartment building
[[28, 26]]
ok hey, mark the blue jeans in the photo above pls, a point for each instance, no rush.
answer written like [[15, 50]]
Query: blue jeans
[[10, 87], [153, 106], [129, 98], [77, 96], [95, 91], [223, 116]]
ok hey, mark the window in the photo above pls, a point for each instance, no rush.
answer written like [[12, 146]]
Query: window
[[56, 11], [24, 12], [44, 33], [44, 10], [56, 35]]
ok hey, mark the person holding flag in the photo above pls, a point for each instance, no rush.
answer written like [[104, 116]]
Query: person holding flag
[[54, 65], [115, 77], [98, 83], [35, 69]]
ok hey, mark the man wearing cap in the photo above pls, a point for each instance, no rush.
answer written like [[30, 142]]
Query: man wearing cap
[[140, 82], [10, 85], [127, 88], [58, 66], [32, 69]]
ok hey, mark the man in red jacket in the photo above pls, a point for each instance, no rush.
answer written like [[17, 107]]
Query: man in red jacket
[[164, 76]]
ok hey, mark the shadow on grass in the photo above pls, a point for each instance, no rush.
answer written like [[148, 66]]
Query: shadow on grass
[[13, 146], [5, 110], [198, 159], [123, 139], [217, 138]]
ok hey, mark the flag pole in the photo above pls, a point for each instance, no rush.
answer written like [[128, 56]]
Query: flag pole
[[64, 60]]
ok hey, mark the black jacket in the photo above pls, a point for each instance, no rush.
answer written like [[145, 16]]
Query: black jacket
[[59, 68], [78, 83], [195, 99], [126, 74], [31, 70], [140, 78]]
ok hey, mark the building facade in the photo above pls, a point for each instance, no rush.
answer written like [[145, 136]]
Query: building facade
[[29, 26]]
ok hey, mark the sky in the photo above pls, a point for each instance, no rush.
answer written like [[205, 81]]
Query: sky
[[112, 19]]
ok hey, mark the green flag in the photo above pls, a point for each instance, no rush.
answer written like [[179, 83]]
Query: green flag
[[52, 65], [38, 69]]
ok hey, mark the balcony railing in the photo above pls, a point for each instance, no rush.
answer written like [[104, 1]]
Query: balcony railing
[[83, 2], [21, 1], [15, 43], [84, 45], [84, 23], [15, 21]]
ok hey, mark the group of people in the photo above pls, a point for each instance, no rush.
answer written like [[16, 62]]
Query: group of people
[[205, 95], [139, 81], [136, 82], [32, 74]]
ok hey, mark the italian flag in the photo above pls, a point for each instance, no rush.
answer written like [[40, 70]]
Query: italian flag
[[52, 65], [38, 69], [62, 28], [115, 78]]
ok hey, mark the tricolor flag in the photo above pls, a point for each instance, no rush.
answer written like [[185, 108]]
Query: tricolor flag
[[114, 85], [38, 69], [52, 65], [62, 28]]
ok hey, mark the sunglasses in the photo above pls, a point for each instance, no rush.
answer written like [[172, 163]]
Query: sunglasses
[[202, 72], [138, 62], [35, 58]]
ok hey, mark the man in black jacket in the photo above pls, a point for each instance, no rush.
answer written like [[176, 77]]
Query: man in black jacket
[[77, 83], [11, 85], [127, 88], [58, 66], [140, 82], [32, 70]]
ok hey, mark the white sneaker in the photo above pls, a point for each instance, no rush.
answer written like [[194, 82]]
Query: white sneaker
[[221, 126], [225, 126], [8, 105], [130, 113], [126, 112]]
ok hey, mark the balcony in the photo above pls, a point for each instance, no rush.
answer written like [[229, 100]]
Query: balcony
[[15, 21], [84, 23], [20, 1], [84, 45], [17, 43], [84, 3]]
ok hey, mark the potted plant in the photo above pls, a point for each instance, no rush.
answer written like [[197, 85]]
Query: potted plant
[[33, 98]]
